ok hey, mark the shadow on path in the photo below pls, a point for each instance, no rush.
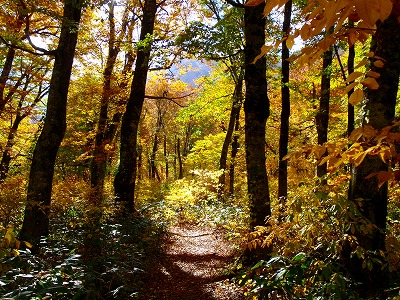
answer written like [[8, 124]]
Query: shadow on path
[[191, 266]]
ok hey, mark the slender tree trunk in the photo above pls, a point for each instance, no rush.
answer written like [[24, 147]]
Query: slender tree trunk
[[166, 159], [234, 151], [99, 161], [4, 77], [380, 105], [5, 73], [350, 108], [178, 150], [285, 113], [322, 117], [153, 167], [36, 218], [256, 109], [236, 106], [124, 182]]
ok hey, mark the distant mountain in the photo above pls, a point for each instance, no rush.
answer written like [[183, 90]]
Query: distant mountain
[[195, 69]]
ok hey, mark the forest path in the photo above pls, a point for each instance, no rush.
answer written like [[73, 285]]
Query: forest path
[[191, 266]]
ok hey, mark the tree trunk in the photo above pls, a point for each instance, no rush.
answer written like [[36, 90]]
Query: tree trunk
[[236, 106], [36, 218], [322, 117], [285, 113], [350, 68], [166, 159], [4, 77], [124, 182], [5, 73], [380, 106], [234, 151], [178, 150], [99, 161], [256, 109]]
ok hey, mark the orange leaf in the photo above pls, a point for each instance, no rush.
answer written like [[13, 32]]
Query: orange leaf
[[373, 10], [253, 2], [371, 83], [383, 176], [353, 76], [379, 64], [373, 74], [362, 63], [356, 97]]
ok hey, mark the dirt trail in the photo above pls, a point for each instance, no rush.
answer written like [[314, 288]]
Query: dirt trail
[[192, 267]]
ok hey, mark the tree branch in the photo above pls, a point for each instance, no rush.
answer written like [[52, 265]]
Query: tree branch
[[235, 4]]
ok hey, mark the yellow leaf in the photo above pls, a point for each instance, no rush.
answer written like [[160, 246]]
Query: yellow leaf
[[379, 64], [370, 83], [361, 63], [353, 76], [373, 74], [349, 87], [356, 97], [29, 245], [373, 10], [290, 41], [269, 5], [319, 151], [359, 159], [264, 51]]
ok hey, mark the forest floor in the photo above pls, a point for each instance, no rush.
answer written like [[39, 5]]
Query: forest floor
[[193, 264]]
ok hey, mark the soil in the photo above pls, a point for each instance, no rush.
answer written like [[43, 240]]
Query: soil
[[194, 264]]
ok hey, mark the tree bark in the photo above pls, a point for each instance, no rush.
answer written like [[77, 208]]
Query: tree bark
[[36, 217], [380, 105], [285, 113], [124, 182], [322, 117], [350, 68], [256, 109], [5, 73], [178, 150], [236, 106], [234, 151]]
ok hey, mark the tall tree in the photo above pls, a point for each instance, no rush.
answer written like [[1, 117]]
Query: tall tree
[[256, 110], [380, 106], [124, 182], [36, 217], [99, 161], [285, 112], [322, 117]]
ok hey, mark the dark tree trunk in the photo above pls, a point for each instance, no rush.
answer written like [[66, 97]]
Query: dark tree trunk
[[153, 167], [236, 106], [285, 113], [381, 111], [350, 108], [99, 161], [166, 159], [234, 151], [178, 150], [124, 182], [21, 114], [256, 109], [5, 73], [322, 117], [36, 218]]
